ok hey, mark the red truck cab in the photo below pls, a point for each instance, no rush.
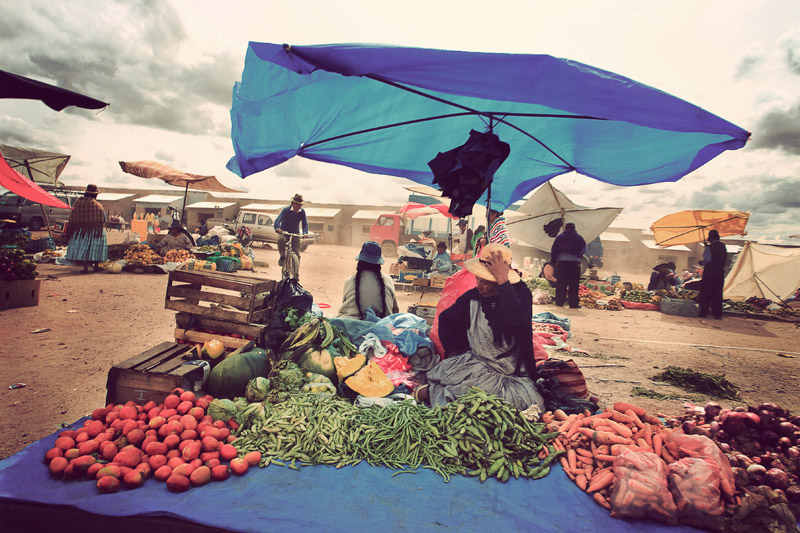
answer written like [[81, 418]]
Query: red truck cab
[[389, 230]]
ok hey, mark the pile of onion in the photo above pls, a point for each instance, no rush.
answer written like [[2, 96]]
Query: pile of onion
[[762, 444]]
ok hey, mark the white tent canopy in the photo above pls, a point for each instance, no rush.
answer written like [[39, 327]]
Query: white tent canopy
[[764, 271], [548, 204]]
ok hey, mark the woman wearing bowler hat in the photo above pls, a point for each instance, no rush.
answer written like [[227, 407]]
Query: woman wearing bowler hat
[[368, 287], [86, 231]]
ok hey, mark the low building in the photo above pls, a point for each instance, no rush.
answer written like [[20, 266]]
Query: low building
[[199, 212], [325, 222], [360, 223], [158, 205], [117, 204]]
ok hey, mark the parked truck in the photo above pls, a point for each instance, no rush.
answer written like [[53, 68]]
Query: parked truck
[[391, 230], [260, 224]]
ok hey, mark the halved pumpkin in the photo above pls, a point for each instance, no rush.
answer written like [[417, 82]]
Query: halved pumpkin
[[370, 381], [347, 366]]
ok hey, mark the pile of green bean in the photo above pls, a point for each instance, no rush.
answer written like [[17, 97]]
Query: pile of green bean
[[479, 435]]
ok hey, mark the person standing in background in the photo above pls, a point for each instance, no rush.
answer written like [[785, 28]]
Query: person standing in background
[[714, 257], [480, 231], [462, 238], [498, 234], [567, 251], [86, 232]]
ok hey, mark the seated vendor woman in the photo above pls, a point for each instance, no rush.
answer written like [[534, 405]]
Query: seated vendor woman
[[549, 273], [487, 337], [177, 239], [441, 266], [368, 287]]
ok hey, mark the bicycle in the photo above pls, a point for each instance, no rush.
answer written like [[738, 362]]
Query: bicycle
[[291, 259]]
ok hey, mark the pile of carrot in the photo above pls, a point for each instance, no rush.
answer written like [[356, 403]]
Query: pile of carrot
[[591, 443]]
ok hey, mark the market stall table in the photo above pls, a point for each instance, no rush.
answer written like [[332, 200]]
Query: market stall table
[[348, 499]]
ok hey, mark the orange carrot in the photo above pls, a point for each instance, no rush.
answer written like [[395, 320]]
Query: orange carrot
[[621, 417], [606, 458], [623, 406], [557, 445], [657, 445], [593, 447], [584, 460], [572, 459], [600, 500], [586, 431], [567, 425], [621, 429], [616, 449], [580, 480], [604, 414], [650, 419], [601, 481], [643, 444], [565, 466], [605, 448], [603, 437], [648, 434], [584, 452], [638, 435], [636, 419]]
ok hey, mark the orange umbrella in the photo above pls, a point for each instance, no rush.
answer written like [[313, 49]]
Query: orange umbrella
[[688, 227], [153, 169]]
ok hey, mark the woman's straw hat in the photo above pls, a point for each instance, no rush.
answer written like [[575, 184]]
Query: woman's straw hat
[[477, 265]]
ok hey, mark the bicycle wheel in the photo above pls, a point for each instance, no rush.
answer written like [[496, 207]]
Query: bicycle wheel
[[291, 266]]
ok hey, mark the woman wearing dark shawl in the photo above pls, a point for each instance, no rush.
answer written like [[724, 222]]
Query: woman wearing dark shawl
[[86, 231], [487, 337]]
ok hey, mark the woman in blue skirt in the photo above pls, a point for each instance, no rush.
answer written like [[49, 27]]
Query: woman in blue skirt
[[86, 231]]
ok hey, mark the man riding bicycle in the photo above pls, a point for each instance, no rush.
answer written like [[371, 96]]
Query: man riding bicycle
[[289, 221]]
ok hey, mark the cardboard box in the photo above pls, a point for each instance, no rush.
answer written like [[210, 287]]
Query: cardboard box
[[438, 281], [602, 286], [394, 269], [20, 293], [407, 276], [420, 282]]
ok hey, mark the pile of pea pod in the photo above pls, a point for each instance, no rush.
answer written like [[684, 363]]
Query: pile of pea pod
[[479, 435]]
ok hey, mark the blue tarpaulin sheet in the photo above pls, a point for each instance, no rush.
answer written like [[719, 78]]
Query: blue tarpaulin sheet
[[360, 498], [557, 115]]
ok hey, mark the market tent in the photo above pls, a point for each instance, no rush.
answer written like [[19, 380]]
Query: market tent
[[548, 210], [764, 271], [692, 226], [37, 165], [389, 110], [153, 169], [57, 98], [19, 184]]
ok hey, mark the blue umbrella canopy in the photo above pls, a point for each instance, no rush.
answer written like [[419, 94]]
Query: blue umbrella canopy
[[390, 110]]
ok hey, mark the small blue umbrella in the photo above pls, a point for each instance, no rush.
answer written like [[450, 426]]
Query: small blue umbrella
[[391, 110]]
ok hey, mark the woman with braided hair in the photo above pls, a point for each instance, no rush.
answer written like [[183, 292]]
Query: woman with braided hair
[[368, 287]]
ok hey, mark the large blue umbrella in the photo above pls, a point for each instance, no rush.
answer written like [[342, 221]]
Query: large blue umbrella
[[390, 110]]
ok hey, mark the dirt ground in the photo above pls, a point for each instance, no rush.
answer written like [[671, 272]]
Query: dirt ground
[[96, 320]]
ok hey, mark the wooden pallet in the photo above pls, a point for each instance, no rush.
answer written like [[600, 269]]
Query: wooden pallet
[[188, 326], [221, 296], [152, 374]]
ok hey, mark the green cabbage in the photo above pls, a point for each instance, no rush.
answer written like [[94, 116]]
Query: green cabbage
[[222, 409], [257, 390]]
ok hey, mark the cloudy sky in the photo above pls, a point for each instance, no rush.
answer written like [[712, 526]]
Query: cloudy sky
[[167, 68]]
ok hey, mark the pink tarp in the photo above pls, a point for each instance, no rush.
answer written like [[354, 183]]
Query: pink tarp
[[19, 184]]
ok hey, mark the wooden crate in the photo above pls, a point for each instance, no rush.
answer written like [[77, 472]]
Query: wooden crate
[[187, 326], [152, 374], [221, 296], [438, 281]]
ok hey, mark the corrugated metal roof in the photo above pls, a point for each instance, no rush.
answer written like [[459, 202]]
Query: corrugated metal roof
[[653, 246], [613, 236], [210, 205], [263, 207], [322, 212], [112, 196], [159, 199], [367, 214]]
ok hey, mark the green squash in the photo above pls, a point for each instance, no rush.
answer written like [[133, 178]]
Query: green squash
[[319, 362], [229, 378]]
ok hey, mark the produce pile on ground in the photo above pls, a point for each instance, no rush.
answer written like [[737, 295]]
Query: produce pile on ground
[[640, 296], [177, 442], [14, 266], [142, 254], [479, 435], [598, 300], [178, 256], [762, 444]]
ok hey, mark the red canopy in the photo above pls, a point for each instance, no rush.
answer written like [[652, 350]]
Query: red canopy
[[19, 184], [413, 210]]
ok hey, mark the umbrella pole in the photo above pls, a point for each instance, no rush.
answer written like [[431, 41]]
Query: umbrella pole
[[185, 192]]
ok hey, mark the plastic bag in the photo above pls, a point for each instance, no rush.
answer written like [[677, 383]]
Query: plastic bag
[[289, 294], [695, 485], [671, 306], [640, 488], [455, 286], [698, 446]]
